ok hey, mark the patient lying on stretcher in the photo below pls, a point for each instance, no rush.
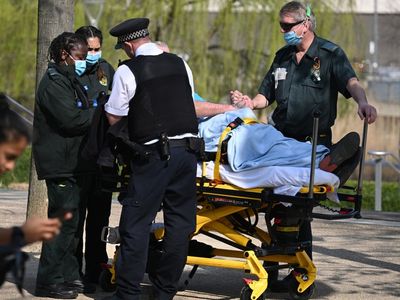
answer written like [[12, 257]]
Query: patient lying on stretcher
[[259, 155]]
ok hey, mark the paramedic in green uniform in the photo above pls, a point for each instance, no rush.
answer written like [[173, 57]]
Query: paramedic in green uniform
[[307, 75], [63, 115], [96, 79]]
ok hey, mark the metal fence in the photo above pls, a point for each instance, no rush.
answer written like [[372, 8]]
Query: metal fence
[[381, 157]]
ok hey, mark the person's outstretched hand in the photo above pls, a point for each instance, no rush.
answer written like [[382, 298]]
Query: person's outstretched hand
[[38, 229]]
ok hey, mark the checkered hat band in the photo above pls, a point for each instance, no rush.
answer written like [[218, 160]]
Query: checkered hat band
[[133, 35]]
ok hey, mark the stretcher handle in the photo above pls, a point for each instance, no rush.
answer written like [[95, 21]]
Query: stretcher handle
[[361, 170], [363, 149], [316, 115]]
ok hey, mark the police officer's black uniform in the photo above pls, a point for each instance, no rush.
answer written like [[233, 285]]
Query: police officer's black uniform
[[162, 106], [302, 88], [96, 79]]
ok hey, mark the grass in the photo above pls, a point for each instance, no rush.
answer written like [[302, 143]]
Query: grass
[[390, 196]]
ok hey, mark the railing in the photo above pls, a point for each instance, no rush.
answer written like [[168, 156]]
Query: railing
[[379, 158], [24, 112]]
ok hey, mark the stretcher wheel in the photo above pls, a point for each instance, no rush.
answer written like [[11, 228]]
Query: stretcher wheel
[[245, 294], [295, 295], [105, 281]]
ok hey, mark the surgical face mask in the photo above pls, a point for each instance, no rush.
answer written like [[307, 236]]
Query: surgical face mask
[[80, 65], [91, 59], [291, 38]]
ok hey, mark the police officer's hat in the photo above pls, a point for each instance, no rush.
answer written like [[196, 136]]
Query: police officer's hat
[[129, 30]]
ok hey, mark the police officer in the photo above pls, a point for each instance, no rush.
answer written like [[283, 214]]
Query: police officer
[[62, 118], [307, 75], [96, 79], [154, 90]]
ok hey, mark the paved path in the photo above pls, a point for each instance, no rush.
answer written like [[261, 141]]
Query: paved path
[[356, 259]]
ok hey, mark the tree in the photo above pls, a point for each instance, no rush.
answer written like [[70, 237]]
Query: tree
[[54, 17], [228, 43]]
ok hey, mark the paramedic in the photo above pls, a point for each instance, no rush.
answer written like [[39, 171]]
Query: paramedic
[[96, 79], [307, 75], [62, 118], [154, 90]]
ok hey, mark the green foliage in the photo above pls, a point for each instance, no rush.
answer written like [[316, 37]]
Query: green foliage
[[228, 44], [390, 196], [18, 49], [21, 171]]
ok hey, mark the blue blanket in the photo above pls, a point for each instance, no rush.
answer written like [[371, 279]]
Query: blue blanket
[[257, 145]]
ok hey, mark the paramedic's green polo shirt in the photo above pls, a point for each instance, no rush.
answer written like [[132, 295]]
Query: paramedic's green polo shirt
[[298, 93]]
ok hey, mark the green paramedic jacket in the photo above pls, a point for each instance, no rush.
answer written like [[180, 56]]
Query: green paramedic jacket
[[95, 82], [60, 126], [298, 93]]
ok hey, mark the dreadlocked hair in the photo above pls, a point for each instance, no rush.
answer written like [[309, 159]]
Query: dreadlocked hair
[[65, 41]]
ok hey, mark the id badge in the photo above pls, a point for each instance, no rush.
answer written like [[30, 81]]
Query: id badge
[[280, 74]]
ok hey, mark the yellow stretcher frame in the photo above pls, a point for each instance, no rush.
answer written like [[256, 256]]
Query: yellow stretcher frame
[[211, 218]]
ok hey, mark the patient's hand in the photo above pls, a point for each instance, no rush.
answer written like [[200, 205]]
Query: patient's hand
[[239, 100]]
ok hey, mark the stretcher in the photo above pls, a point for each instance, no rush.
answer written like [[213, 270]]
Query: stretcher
[[233, 215]]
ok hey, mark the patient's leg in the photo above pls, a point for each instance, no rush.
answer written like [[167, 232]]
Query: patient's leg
[[342, 151]]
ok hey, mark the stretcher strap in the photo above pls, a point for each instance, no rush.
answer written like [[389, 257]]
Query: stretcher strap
[[229, 128]]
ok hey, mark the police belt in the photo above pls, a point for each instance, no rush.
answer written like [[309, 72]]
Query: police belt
[[172, 143], [192, 144]]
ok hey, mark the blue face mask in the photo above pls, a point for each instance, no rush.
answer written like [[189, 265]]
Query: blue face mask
[[80, 65], [91, 59], [291, 38]]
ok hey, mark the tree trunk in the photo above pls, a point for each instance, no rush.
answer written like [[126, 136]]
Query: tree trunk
[[54, 17]]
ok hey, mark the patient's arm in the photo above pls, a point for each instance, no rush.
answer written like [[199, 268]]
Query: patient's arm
[[209, 109]]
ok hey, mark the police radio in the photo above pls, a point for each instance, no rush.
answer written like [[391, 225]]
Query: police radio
[[164, 147]]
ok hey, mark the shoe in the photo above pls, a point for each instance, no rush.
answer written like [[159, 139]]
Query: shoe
[[91, 278], [280, 286], [82, 287], [57, 291], [340, 152], [345, 170], [148, 293]]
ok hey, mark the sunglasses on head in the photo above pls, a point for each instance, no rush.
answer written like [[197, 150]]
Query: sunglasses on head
[[288, 26]]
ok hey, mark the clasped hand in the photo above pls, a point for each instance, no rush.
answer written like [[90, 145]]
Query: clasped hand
[[239, 100]]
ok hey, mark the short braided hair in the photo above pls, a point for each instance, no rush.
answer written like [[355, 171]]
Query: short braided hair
[[90, 32]]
